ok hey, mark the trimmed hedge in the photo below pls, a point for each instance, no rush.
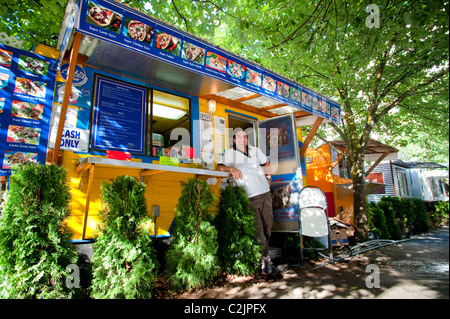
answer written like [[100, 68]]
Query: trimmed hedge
[[394, 217]]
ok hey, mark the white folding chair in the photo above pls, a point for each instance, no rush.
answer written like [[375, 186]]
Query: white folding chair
[[313, 220]]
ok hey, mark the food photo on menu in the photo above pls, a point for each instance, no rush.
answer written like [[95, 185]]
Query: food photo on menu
[[316, 104], [103, 17], [216, 62], [296, 94], [253, 77], [335, 112], [167, 43], [236, 70], [269, 83], [306, 99], [33, 65], [325, 107], [283, 89], [193, 53], [30, 87], [138, 31], [5, 58], [27, 110], [23, 134], [3, 80], [18, 157]]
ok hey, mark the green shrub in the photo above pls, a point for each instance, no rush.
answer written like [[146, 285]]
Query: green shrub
[[377, 220], [124, 261], [35, 242], [239, 251], [391, 220], [437, 212], [191, 259], [417, 218], [400, 210]]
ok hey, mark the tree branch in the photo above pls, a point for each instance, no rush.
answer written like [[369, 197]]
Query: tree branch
[[181, 16]]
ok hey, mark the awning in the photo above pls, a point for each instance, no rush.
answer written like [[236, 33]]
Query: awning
[[430, 165], [373, 150], [109, 49]]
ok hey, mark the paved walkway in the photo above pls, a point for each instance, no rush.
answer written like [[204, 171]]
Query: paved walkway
[[413, 269]]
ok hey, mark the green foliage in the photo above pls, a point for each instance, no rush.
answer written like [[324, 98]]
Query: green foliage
[[438, 212], [239, 250], [124, 261], [32, 21], [394, 217], [391, 220], [418, 219], [35, 246], [377, 220], [192, 256]]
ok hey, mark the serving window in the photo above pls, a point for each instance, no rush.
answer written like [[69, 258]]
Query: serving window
[[135, 119], [170, 122]]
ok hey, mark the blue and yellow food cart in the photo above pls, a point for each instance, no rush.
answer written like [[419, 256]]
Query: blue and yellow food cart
[[133, 95]]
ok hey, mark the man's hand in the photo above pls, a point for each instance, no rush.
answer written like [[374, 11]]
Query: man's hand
[[237, 174], [233, 171]]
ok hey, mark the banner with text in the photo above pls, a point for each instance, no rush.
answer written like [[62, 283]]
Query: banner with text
[[26, 92], [123, 26]]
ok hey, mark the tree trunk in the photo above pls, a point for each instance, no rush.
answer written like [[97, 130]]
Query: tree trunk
[[359, 200]]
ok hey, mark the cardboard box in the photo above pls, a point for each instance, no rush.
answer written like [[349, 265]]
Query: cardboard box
[[339, 237]]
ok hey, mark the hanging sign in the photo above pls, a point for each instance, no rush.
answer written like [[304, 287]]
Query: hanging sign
[[119, 116], [26, 92]]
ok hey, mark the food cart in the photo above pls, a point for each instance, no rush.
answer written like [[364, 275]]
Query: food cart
[[328, 170], [158, 103]]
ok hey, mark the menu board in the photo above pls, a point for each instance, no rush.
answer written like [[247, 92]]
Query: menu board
[[119, 116], [26, 93], [123, 26]]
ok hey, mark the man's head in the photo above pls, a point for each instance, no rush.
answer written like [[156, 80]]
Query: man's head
[[240, 139]]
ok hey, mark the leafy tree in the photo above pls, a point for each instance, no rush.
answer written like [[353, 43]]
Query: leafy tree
[[387, 64], [124, 261], [35, 246], [32, 22], [239, 250], [192, 256]]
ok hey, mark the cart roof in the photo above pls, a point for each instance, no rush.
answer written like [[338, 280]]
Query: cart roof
[[114, 52]]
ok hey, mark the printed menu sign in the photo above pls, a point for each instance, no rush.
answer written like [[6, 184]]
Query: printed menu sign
[[26, 93], [116, 23], [119, 116]]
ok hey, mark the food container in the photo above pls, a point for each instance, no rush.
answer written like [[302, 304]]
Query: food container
[[158, 139]]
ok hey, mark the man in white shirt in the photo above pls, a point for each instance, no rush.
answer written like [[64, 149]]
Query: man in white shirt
[[245, 164]]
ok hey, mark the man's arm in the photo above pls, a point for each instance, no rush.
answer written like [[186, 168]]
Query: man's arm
[[233, 171], [268, 172]]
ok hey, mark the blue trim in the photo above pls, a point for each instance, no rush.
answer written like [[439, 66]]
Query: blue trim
[[241, 114], [82, 241]]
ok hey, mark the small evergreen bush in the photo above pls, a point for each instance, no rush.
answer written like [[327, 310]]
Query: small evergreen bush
[[400, 210], [377, 220], [35, 242], [391, 222], [239, 249], [421, 223], [124, 261], [437, 212], [191, 259]]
